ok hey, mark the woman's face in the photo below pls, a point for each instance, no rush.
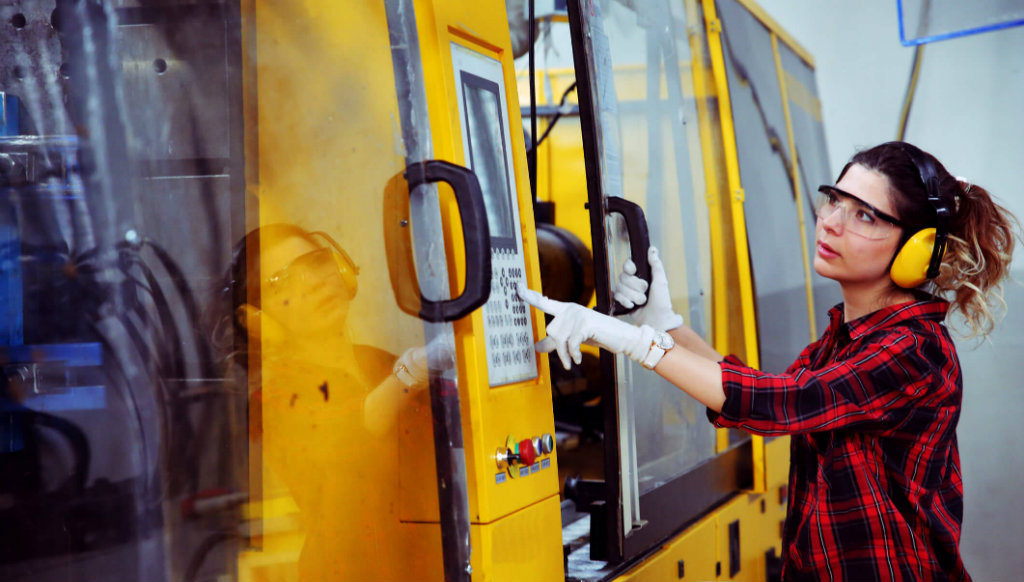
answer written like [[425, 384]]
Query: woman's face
[[853, 260], [302, 287]]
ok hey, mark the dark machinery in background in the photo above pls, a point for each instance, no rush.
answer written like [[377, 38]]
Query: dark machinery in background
[[114, 117]]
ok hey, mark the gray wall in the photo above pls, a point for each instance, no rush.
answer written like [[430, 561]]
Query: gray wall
[[969, 112]]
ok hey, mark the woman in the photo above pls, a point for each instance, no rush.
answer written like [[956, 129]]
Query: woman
[[872, 406], [323, 410]]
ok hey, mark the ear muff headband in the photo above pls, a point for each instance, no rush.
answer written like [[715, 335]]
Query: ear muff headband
[[346, 266], [920, 256]]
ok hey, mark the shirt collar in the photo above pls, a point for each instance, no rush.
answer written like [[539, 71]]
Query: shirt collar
[[925, 307]]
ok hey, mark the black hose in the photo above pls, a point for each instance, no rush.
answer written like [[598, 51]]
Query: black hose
[[554, 120], [76, 438]]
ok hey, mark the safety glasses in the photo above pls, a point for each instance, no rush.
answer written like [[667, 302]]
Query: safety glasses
[[857, 216], [310, 267], [321, 265]]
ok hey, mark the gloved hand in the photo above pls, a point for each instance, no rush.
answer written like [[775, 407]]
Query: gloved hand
[[657, 309], [574, 324], [412, 369]]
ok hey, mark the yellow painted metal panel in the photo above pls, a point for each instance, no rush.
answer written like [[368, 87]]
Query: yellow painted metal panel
[[693, 553], [777, 478], [518, 547], [754, 540], [714, 27], [502, 412], [728, 330], [490, 415], [777, 457], [714, 31]]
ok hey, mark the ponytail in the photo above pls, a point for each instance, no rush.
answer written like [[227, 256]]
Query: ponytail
[[977, 259]]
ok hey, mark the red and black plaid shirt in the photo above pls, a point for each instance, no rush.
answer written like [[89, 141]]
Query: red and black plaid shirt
[[872, 407]]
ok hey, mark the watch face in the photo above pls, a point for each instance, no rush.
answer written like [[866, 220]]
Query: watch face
[[664, 341]]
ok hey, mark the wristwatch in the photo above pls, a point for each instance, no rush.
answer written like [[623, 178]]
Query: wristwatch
[[661, 343]]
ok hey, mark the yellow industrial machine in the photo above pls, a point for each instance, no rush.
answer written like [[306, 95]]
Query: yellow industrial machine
[[738, 110], [414, 89], [259, 263]]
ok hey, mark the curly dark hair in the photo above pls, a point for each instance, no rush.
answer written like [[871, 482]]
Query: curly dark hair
[[982, 233]]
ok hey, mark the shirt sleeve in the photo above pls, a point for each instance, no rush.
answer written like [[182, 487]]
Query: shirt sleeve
[[875, 389]]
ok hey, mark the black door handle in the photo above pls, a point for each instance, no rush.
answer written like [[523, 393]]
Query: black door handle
[[639, 241], [476, 237]]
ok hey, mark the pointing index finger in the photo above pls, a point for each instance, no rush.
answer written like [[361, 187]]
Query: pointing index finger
[[549, 306]]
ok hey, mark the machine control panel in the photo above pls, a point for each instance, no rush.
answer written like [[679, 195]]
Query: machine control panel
[[480, 88], [506, 317], [520, 458]]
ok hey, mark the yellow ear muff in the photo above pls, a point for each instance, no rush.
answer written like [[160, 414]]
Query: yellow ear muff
[[346, 266], [260, 325], [910, 267], [348, 270]]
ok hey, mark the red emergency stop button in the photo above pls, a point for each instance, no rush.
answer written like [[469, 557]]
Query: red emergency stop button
[[527, 454]]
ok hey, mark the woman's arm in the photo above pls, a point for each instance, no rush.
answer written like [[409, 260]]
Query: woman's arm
[[874, 389], [689, 339], [698, 375]]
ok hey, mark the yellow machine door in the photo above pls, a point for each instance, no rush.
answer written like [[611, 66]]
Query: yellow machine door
[[366, 249], [505, 395]]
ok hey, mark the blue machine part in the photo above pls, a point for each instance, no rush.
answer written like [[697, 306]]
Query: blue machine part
[[924, 21], [8, 114], [77, 398], [11, 304], [69, 355]]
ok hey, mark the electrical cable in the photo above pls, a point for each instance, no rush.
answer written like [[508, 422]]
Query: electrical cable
[[203, 348], [165, 336], [915, 71], [185, 452], [532, 153], [908, 99], [554, 119], [771, 133], [130, 399], [76, 438]]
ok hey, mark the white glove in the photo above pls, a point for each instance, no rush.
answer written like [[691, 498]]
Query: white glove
[[574, 325], [632, 290], [412, 367]]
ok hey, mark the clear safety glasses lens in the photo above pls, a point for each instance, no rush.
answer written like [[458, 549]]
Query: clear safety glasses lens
[[318, 265], [857, 217]]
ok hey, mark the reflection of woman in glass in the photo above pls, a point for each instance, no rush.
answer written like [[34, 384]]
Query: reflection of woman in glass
[[323, 410], [872, 406]]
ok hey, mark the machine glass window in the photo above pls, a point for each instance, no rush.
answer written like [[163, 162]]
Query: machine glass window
[[647, 92], [645, 126], [766, 174], [812, 162]]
